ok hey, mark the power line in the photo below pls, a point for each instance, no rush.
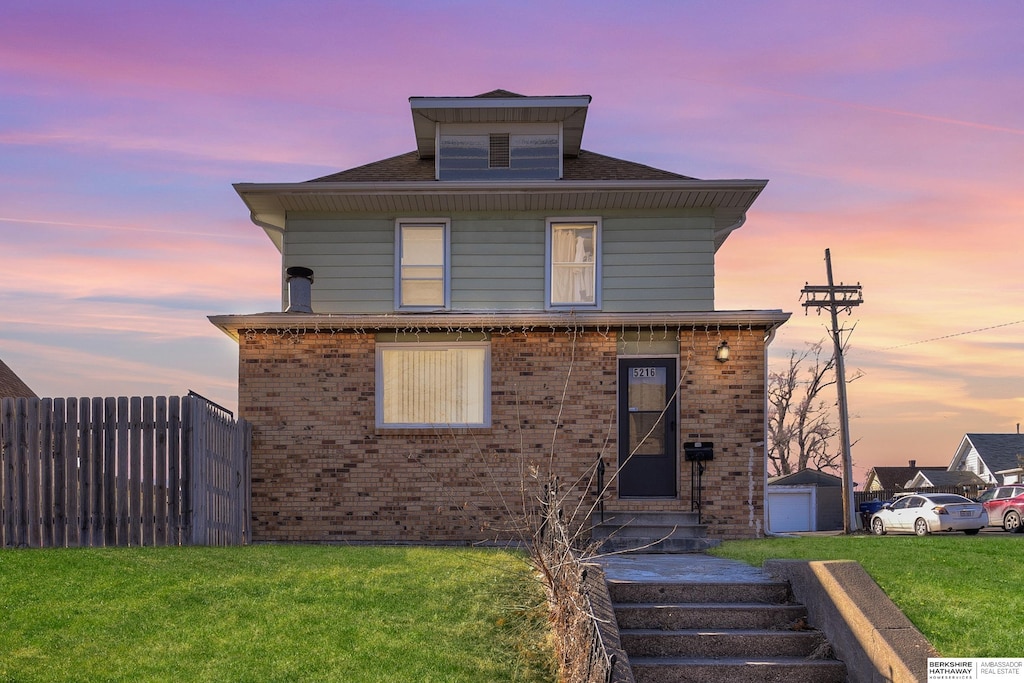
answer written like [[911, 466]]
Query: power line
[[951, 336]]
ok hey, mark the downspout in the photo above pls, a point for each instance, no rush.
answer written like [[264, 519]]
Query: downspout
[[768, 339]]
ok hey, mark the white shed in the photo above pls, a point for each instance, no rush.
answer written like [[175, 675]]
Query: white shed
[[808, 500]]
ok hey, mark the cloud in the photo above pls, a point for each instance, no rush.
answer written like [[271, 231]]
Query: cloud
[[76, 368]]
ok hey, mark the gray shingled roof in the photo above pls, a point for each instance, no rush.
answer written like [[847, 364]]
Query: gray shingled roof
[[11, 385], [897, 477], [999, 451], [587, 166], [499, 93], [806, 476], [947, 478]]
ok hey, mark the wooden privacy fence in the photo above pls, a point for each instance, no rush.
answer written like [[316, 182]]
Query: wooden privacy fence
[[140, 471], [969, 490]]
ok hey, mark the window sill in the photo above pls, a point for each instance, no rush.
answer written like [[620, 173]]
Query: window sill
[[430, 431]]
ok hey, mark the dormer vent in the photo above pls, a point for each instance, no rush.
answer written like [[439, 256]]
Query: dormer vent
[[498, 157]]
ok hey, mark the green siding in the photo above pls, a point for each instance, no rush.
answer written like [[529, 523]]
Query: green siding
[[352, 260], [651, 264], [658, 264], [497, 263]]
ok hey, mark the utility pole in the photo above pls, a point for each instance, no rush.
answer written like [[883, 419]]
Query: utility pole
[[836, 298]]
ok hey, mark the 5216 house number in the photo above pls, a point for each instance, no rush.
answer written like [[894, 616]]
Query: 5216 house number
[[639, 373]]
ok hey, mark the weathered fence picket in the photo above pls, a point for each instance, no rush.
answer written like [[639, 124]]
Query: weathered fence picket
[[969, 490], [122, 471]]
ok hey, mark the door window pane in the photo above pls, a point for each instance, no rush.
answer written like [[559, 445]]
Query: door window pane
[[647, 389], [646, 434], [646, 401]]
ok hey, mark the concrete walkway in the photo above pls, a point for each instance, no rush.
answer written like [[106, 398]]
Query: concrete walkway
[[683, 568]]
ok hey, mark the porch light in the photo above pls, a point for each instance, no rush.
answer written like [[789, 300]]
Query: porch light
[[722, 352]]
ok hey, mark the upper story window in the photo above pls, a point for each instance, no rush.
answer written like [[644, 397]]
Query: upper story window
[[573, 268], [421, 264], [513, 152]]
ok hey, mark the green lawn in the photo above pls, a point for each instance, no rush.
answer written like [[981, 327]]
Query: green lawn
[[271, 613], [963, 592]]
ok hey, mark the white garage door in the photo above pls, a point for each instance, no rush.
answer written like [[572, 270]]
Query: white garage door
[[790, 509]]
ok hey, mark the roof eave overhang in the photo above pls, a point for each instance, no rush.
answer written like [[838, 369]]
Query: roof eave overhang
[[270, 203], [568, 110], [236, 325]]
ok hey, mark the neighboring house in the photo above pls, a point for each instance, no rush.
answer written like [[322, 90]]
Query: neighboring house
[[808, 500], [11, 385], [497, 307], [895, 478], [929, 480], [996, 458]]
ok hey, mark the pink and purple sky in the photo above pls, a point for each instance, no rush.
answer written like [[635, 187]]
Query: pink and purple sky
[[891, 133]]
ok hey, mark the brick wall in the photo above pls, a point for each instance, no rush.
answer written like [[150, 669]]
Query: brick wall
[[323, 472]]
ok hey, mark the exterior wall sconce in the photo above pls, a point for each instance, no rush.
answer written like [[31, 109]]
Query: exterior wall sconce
[[722, 352]]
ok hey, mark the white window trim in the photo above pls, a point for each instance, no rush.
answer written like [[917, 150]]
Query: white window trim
[[598, 248], [446, 224], [380, 347]]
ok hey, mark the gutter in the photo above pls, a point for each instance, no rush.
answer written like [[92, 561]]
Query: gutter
[[274, 232]]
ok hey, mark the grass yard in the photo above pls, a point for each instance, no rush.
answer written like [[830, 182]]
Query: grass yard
[[272, 613], [962, 592]]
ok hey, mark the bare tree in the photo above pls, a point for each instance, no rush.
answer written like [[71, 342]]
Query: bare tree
[[801, 422]]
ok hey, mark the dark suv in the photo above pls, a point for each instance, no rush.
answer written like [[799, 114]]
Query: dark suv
[[1005, 506]]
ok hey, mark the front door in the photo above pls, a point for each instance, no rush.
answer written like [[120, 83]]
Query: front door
[[647, 427]]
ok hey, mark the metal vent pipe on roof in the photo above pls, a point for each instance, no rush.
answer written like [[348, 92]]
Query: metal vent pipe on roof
[[300, 290]]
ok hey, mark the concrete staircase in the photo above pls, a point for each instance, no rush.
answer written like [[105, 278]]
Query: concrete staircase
[[650, 532], [707, 632]]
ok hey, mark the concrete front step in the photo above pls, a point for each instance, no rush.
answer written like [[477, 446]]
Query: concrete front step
[[649, 531], [702, 624], [661, 519], [737, 670], [757, 643], [656, 544], [771, 592], [676, 616]]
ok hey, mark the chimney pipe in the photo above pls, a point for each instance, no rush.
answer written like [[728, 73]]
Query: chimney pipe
[[913, 464], [300, 284]]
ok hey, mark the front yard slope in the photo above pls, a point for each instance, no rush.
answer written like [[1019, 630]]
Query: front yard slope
[[272, 613]]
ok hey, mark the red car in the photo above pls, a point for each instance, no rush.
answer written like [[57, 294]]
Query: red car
[[1005, 506]]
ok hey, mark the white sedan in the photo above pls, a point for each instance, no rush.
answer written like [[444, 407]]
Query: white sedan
[[923, 513]]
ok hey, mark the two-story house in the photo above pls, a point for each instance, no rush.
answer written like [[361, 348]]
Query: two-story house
[[494, 308]]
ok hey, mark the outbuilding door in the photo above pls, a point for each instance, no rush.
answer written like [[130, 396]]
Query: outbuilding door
[[647, 427], [791, 508]]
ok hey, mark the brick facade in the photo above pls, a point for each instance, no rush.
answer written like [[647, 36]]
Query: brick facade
[[322, 472]]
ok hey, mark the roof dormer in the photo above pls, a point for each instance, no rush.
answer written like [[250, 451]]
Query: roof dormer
[[499, 135]]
